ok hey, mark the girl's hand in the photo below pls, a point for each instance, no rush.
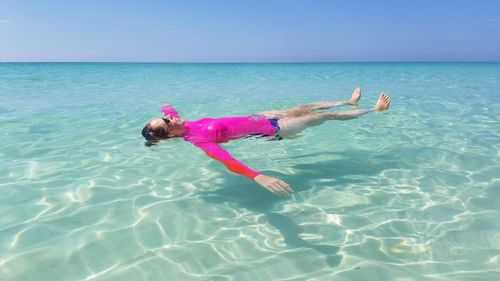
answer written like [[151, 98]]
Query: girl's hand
[[274, 185]]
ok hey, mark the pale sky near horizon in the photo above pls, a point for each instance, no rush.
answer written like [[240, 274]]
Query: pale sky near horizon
[[249, 30]]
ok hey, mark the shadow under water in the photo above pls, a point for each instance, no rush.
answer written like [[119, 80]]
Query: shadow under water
[[248, 195]]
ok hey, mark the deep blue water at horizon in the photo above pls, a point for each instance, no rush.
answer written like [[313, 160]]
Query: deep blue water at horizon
[[410, 194]]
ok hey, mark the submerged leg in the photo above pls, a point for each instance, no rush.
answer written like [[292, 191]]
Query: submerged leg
[[306, 109], [356, 95], [293, 125]]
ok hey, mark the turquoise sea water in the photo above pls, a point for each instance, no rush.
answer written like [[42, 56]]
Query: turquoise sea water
[[411, 194]]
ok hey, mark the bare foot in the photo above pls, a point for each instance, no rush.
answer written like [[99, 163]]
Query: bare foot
[[356, 95], [383, 103]]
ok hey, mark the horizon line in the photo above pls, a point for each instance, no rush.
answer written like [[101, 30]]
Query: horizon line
[[263, 62]]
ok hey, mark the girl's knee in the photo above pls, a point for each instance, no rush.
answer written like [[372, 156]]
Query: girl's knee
[[328, 115]]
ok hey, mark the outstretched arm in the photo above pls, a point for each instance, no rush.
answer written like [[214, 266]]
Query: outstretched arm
[[169, 111], [274, 185], [218, 153]]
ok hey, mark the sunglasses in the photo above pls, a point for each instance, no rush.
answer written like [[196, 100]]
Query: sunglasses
[[163, 132], [155, 135], [167, 121]]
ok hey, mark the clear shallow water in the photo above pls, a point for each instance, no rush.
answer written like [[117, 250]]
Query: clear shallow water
[[412, 194]]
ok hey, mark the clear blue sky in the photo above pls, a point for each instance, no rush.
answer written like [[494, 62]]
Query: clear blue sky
[[249, 30]]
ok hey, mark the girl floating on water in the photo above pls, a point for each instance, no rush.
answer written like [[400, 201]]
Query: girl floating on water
[[208, 133]]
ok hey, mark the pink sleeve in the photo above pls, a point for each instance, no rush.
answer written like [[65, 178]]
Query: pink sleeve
[[169, 110], [218, 153]]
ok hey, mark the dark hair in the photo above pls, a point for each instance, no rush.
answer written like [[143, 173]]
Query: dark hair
[[151, 137]]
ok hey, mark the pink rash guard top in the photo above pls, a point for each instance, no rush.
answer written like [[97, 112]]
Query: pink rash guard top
[[207, 133]]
